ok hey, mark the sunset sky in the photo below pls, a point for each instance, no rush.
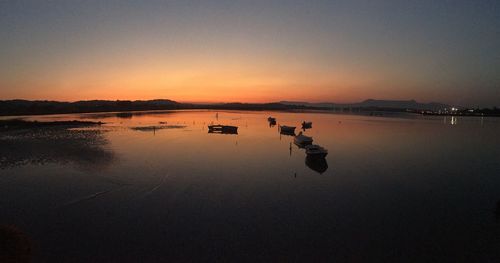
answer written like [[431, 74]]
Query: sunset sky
[[251, 51]]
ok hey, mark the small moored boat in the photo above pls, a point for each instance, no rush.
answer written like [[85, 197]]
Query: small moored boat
[[316, 151], [227, 129], [287, 129], [307, 125], [272, 121], [302, 140]]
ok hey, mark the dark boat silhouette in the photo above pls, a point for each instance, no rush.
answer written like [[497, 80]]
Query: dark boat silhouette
[[222, 129], [287, 130], [302, 140], [307, 125], [317, 164], [316, 151], [272, 121]]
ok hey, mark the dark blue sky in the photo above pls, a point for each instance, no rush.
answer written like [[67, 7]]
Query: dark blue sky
[[341, 51]]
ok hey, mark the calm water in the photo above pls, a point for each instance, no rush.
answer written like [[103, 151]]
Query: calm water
[[396, 188]]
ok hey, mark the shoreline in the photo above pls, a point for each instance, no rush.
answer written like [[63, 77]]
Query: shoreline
[[374, 113]]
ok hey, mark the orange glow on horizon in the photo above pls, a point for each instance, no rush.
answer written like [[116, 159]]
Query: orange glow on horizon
[[202, 83]]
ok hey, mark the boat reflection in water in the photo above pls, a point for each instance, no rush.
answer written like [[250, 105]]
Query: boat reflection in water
[[222, 129], [317, 164], [316, 158]]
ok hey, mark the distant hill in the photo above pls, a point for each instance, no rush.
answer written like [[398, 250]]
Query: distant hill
[[256, 106], [374, 104], [27, 107]]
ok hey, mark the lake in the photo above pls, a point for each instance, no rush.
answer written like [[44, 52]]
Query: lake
[[156, 186]]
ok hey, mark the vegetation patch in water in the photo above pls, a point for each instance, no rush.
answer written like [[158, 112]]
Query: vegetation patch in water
[[27, 142], [15, 124], [154, 128]]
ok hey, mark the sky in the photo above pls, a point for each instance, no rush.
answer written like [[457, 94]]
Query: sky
[[251, 51]]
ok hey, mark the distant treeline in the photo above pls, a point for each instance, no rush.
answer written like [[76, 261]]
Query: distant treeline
[[257, 106], [26, 107], [493, 112]]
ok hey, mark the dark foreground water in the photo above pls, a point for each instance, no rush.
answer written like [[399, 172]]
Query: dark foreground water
[[397, 188]]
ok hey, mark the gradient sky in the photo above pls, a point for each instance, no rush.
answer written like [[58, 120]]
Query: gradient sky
[[251, 51]]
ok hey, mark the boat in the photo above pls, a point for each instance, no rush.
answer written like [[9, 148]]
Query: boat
[[272, 121], [287, 129], [317, 164], [316, 151], [307, 125], [225, 129], [302, 140]]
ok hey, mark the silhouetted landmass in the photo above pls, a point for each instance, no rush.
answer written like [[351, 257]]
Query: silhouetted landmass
[[493, 112], [257, 106], [26, 107], [371, 104]]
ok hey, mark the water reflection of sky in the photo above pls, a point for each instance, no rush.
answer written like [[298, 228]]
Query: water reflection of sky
[[389, 188]]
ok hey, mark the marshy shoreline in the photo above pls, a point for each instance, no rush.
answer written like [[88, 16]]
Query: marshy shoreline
[[20, 124]]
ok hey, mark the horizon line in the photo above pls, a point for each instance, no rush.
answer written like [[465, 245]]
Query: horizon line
[[263, 102], [227, 102]]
